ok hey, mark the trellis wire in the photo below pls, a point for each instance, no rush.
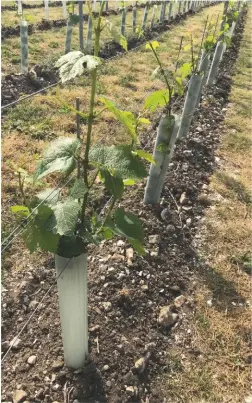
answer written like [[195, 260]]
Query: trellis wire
[[35, 310]]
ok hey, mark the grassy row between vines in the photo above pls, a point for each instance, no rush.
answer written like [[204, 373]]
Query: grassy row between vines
[[221, 326]]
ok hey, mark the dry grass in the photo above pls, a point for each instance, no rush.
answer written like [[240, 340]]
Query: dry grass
[[221, 332]]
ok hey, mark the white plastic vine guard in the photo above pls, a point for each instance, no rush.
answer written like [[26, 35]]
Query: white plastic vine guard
[[73, 304]]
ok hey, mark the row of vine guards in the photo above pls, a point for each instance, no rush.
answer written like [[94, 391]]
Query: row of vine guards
[[66, 225], [168, 10]]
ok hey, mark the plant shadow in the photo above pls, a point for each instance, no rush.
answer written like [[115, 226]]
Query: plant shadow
[[88, 385]]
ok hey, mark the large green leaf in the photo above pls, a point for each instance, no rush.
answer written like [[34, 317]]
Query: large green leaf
[[156, 99], [118, 160], [74, 64], [49, 196], [146, 156], [66, 216], [114, 184], [60, 156], [78, 190], [38, 233], [126, 118], [128, 225]]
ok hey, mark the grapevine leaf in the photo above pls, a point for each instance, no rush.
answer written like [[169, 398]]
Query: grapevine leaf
[[147, 156], [48, 196], [180, 86], [39, 234], [78, 190], [74, 64], [127, 224], [113, 184], [118, 37], [74, 18], [118, 160], [153, 44], [128, 182], [143, 121], [60, 156], [70, 246], [187, 47], [22, 211], [184, 70], [157, 98], [126, 118], [66, 216]]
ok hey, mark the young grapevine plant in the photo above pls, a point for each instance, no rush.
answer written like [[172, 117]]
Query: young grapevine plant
[[66, 225]]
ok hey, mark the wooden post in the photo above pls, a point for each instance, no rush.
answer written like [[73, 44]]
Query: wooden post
[[73, 305], [24, 46]]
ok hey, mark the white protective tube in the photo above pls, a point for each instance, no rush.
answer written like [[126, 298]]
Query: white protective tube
[[162, 154], [190, 103], [203, 68], [73, 305], [64, 8], [24, 46], [46, 3], [215, 63]]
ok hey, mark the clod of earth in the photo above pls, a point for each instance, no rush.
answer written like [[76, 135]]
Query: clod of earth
[[166, 317], [32, 359], [19, 396]]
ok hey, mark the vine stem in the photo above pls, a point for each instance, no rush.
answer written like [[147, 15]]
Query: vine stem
[[108, 214], [164, 75], [91, 112]]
